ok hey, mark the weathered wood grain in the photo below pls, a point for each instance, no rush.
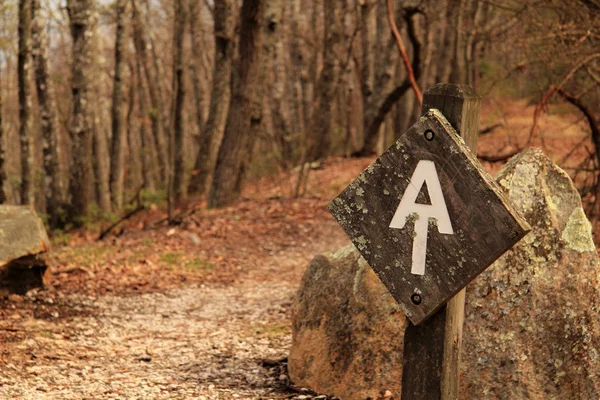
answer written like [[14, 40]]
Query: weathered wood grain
[[433, 351]]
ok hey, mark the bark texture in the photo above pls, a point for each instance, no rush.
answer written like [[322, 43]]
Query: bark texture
[[321, 127], [142, 47], [81, 15], [51, 146], [117, 158], [2, 154], [177, 167], [25, 136], [275, 71], [195, 8], [99, 112], [211, 138], [245, 111]]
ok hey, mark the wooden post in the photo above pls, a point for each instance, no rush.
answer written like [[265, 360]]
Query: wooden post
[[432, 349]]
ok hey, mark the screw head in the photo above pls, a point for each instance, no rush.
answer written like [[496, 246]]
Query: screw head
[[416, 299], [429, 135]]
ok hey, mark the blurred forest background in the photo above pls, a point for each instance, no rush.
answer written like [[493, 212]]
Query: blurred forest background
[[107, 106]]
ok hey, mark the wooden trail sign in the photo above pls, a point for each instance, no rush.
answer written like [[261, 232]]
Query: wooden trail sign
[[427, 217], [432, 348]]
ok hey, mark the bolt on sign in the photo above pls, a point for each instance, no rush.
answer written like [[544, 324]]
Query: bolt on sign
[[427, 217]]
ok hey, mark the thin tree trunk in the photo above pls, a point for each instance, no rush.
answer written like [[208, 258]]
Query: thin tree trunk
[[148, 173], [53, 185], [327, 86], [101, 165], [296, 60], [195, 7], [149, 149], [309, 80], [275, 71], [99, 113], [245, 113], [117, 156], [211, 138], [156, 112], [445, 56], [459, 70], [2, 154], [135, 163], [177, 187], [25, 134], [82, 31]]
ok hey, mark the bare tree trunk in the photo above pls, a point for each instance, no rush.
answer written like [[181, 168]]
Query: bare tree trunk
[[177, 188], [472, 49], [327, 86], [370, 46], [445, 56], [117, 156], [101, 165], [309, 79], [375, 117], [245, 112], [156, 112], [296, 59], [275, 71], [25, 134], [459, 70], [135, 163], [2, 155], [53, 187], [147, 153], [195, 7], [99, 113], [81, 15], [211, 138]]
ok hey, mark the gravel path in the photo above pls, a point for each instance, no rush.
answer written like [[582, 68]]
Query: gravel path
[[195, 342]]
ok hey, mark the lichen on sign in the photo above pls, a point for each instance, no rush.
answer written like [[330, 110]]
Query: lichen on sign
[[484, 225]]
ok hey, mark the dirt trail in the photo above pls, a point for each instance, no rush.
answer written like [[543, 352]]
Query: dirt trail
[[197, 342], [208, 339]]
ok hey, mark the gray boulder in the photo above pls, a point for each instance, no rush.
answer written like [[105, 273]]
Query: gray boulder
[[23, 240], [532, 322], [532, 326]]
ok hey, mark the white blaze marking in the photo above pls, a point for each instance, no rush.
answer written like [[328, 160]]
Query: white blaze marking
[[425, 172]]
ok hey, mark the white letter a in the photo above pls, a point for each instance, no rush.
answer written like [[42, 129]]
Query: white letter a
[[425, 172]]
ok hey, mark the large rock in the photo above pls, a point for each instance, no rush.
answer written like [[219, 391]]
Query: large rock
[[23, 239], [532, 325], [347, 330]]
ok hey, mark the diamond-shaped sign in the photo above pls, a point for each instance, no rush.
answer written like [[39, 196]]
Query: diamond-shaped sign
[[427, 217]]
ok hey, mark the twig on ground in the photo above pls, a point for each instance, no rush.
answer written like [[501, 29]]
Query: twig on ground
[[125, 217]]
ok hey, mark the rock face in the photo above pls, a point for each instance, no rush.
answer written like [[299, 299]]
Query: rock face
[[532, 319], [347, 330], [23, 239], [532, 325]]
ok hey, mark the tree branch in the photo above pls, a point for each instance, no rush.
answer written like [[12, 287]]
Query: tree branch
[[395, 95], [552, 90], [402, 49]]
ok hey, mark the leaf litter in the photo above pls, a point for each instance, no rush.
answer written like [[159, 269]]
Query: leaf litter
[[196, 311]]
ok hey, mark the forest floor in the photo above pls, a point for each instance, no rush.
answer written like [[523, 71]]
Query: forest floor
[[200, 310]]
